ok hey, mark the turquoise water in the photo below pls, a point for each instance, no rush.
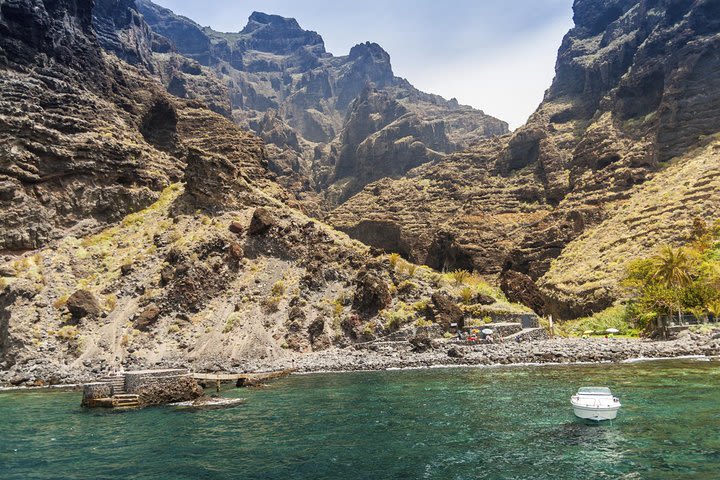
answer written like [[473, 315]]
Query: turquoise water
[[495, 423]]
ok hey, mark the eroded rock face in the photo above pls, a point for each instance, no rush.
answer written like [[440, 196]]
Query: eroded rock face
[[121, 30], [371, 293], [219, 271], [337, 122], [520, 288], [447, 312], [70, 148], [635, 85]]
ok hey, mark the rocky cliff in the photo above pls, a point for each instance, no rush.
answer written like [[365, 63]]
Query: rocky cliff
[[72, 152], [558, 207], [140, 229], [345, 121]]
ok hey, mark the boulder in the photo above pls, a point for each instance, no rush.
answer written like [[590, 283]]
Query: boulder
[[182, 390], [236, 227], [296, 314], [316, 328], [421, 343], [484, 299], [166, 275], [83, 304], [446, 311], [147, 318], [371, 293], [456, 352], [352, 326], [236, 252], [262, 221]]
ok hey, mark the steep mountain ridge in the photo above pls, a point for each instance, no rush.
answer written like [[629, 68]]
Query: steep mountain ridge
[[70, 145], [635, 86], [321, 102], [145, 230]]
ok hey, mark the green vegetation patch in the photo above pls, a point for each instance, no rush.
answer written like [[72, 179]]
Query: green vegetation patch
[[616, 317], [677, 281]]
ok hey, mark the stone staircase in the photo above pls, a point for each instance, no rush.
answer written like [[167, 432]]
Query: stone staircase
[[117, 382], [126, 400], [120, 398]]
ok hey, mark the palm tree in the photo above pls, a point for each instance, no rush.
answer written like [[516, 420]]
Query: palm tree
[[673, 269], [714, 309]]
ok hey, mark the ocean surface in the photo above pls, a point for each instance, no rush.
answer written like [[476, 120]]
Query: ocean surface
[[469, 423]]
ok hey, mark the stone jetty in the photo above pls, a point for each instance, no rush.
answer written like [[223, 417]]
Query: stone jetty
[[141, 388]]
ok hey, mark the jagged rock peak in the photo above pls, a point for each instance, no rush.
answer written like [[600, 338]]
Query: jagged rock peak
[[259, 19], [369, 49], [279, 35]]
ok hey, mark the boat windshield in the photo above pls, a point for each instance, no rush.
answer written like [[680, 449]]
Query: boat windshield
[[594, 391]]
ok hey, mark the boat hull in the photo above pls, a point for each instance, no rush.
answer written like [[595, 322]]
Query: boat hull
[[597, 414]]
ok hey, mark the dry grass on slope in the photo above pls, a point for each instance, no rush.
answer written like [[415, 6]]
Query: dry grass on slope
[[660, 211]]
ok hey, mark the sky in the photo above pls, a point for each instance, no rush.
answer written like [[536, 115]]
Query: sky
[[496, 55]]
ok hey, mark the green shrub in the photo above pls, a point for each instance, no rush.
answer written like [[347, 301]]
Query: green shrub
[[423, 322], [338, 308], [278, 288], [110, 302], [272, 304], [676, 280], [614, 317], [394, 258], [460, 276], [369, 329], [406, 286], [421, 305], [67, 333], [466, 295], [232, 320], [398, 316]]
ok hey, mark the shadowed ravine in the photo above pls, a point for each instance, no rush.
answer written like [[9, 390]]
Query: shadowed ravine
[[438, 423]]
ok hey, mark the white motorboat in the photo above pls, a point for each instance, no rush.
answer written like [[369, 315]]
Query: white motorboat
[[595, 403]]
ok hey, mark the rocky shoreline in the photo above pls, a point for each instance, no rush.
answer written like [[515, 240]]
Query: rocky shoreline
[[556, 351], [401, 355]]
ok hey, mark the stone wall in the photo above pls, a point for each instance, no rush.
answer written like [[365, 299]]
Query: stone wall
[[530, 335], [164, 390], [135, 381], [153, 387], [93, 392]]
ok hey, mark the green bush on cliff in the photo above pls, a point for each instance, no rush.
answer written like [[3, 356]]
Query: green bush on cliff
[[394, 258], [460, 276], [400, 315]]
